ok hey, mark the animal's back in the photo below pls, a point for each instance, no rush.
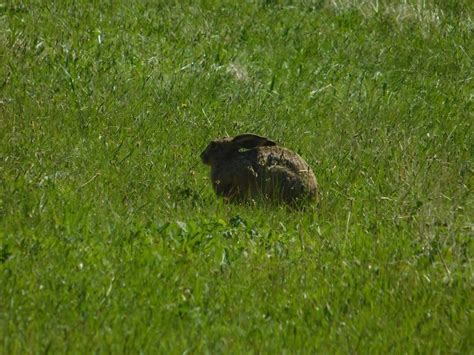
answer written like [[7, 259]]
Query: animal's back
[[283, 172], [279, 156]]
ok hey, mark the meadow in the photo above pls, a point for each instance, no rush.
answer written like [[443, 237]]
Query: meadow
[[111, 238]]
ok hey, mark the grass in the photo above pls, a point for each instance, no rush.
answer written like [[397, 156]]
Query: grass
[[111, 239]]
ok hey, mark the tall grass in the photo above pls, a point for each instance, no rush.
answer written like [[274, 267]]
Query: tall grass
[[111, 239]]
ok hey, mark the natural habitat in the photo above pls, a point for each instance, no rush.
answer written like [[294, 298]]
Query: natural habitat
[[112, 239]]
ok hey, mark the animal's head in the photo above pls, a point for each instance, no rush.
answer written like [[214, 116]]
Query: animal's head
[[220, 149]]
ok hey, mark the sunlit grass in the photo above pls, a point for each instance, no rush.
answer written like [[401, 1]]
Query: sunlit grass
[[111, 238]]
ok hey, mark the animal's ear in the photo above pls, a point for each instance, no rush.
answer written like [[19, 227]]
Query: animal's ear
[[250, 141]]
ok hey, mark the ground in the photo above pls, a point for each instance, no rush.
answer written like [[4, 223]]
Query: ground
[[111, 238]]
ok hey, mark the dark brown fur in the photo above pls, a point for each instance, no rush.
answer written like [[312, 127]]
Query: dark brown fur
[[263, 169]]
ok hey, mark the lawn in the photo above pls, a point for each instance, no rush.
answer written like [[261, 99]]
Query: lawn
[[111, 238]]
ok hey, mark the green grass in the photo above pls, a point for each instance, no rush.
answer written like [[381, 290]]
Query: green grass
[[111, 238]]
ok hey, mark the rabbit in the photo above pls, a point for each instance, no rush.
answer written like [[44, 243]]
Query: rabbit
[[248, 166]]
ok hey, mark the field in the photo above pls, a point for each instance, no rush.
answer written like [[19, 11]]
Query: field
[[111, 238]]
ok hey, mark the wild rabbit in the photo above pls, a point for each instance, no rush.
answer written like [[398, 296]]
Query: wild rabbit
[[248, 166]]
